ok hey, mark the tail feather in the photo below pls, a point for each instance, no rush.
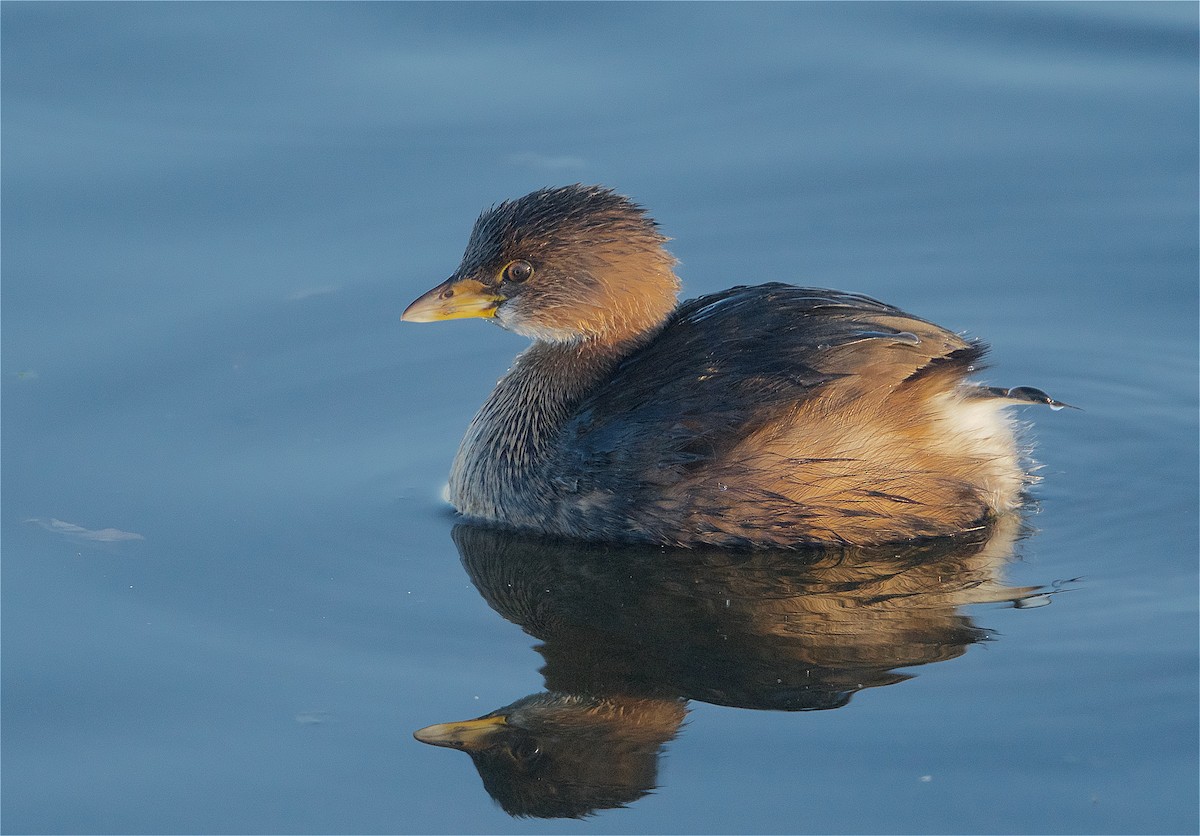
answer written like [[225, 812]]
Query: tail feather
[[1023, 394]]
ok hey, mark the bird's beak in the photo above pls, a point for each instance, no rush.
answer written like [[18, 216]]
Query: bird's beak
[[454, 299], [469, 735]]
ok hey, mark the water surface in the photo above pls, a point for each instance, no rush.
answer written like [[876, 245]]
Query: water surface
[[230, 589]]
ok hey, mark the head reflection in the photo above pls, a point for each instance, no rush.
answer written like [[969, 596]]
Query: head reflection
[[630, 634], [556, 755]]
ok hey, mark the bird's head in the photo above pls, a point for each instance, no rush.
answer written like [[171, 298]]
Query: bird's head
[[561, 265]]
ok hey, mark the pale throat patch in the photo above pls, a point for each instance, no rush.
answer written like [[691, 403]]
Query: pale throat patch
[[511, 320]]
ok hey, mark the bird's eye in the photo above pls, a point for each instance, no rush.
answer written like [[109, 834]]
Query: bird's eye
[[525, 750], [517, 271]]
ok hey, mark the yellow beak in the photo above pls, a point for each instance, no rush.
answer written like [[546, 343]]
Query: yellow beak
[[469, 735], [453, 299]]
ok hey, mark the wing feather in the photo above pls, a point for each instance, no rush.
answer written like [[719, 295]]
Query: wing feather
[[728, 365]]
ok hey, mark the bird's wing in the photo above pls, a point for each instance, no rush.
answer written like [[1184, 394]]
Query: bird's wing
[[732, 363]]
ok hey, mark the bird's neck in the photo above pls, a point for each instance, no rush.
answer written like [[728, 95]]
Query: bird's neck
[[511, 436]]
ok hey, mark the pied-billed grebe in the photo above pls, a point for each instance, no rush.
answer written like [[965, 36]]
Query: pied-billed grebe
[[758, 416]]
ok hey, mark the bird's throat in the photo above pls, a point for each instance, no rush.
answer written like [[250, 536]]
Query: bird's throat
[[509, 440]]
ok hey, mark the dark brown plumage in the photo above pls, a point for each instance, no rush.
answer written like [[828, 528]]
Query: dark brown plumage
[[759, 416]]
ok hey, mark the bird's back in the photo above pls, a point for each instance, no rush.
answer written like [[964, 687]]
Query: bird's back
[[779, 415]]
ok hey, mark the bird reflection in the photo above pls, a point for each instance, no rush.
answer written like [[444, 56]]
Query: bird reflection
[[630, 634]]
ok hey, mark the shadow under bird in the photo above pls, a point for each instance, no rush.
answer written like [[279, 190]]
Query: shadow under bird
[[765, 416]]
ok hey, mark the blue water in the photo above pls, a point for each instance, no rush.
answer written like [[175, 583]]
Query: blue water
[[230, 588]]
